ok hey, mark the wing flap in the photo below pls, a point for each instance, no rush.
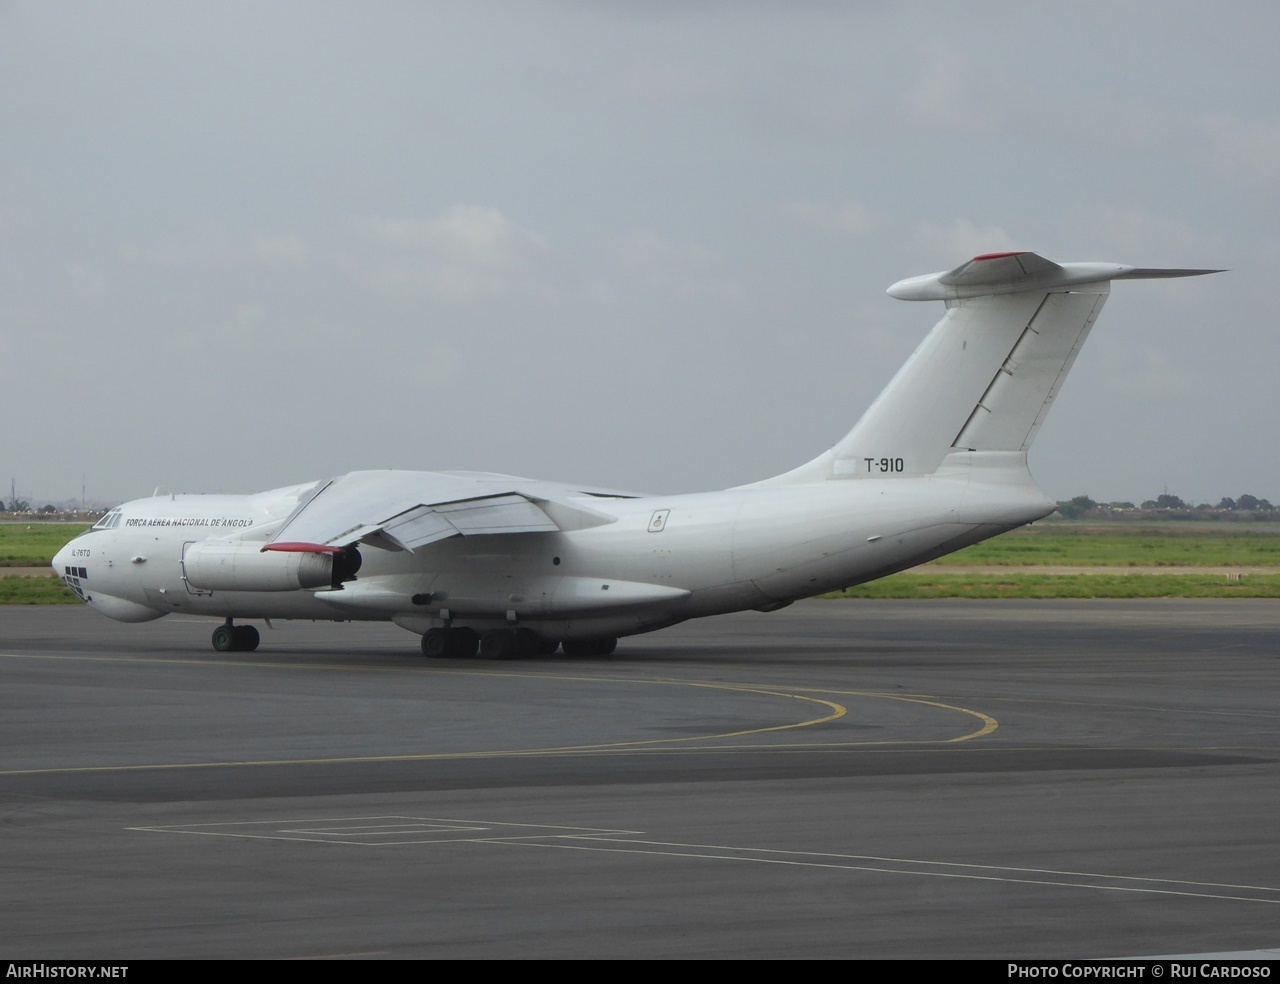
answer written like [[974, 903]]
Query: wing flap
[[497, 514], [418, 527], [411, 510]]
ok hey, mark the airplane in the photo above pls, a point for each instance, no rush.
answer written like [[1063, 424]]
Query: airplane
[[509, 567]]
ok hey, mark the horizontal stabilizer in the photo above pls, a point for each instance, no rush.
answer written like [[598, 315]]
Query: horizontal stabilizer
[[1008, 273], [1156, 273]]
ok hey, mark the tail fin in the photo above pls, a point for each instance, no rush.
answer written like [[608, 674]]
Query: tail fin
[[985, 377]]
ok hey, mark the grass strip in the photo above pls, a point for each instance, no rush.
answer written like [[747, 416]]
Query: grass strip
[[35, 591], [34, 544], [1022, 585], [1124, 547]]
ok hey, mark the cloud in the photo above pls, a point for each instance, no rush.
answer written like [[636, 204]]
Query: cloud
[[949, 95], [843, 219], [1135, 235], [212, 245], [464, 233], [464, 254], [672, 83], [1150, 374], [1247, 152], [280, 249], [436, 365], [685, 269], [962, 239]]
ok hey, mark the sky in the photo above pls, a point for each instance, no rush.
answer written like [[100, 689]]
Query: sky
[[637, 245]]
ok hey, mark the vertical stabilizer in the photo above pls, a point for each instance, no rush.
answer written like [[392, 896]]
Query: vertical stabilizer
[[983, 380]]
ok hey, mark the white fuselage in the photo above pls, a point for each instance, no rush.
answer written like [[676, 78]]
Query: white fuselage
[[662, 559]]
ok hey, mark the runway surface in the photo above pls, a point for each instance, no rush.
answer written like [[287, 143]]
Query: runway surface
[[838, 779]]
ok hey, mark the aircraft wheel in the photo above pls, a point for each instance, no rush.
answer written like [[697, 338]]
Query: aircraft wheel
[[464, 641], [547, 647], [528, 643], [246, 638], [435, 643], [499, 644], [224, 639]]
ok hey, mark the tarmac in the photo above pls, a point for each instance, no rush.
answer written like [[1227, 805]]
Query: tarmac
[[840, 779]]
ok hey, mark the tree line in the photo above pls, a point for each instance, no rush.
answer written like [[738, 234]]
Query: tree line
[[23, 506], [1170, 506]]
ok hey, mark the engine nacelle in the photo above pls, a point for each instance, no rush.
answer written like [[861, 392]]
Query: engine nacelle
[[247, 567]]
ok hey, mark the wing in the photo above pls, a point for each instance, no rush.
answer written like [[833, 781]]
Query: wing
[[398, 510]]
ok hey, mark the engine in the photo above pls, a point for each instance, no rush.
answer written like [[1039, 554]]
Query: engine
[[214, 566]]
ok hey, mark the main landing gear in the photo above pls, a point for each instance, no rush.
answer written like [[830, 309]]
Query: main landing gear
[[228, 638], [450, 643], [462, 643]]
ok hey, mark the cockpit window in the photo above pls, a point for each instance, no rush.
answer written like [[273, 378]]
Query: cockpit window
[[108, 522]]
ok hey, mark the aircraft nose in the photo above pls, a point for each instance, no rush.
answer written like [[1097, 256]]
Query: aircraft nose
[[60, 560]]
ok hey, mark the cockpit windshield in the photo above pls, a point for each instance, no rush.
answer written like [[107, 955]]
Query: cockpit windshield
[[108, 522]]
